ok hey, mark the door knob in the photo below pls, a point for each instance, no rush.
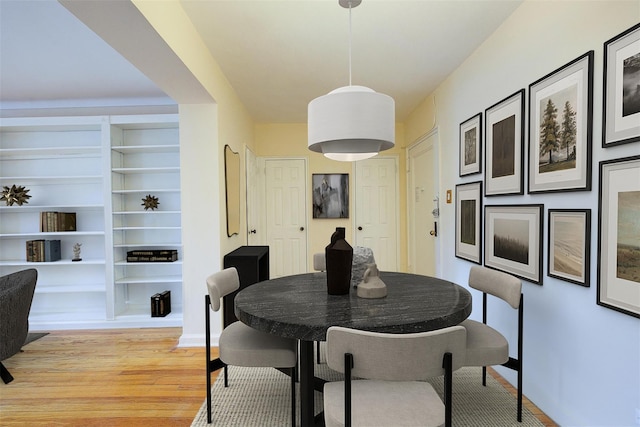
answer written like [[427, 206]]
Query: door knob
[[359, 228], [253, 232], [301, 228]]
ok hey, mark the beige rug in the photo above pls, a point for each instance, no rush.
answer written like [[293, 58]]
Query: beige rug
[[259, 397]]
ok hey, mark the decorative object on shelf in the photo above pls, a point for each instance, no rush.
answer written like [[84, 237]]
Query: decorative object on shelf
[[330, 195], [76, 252], [621, 110], [150, 202], [560, 128], [57, 221], [471, 146], [352, 122], [339, 257], [618, 230], [156, 255], [362, 257], [43, 250], [372, 286], [16, 194], [161, 304]]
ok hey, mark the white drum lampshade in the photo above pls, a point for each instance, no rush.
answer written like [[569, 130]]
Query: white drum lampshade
[[351, 123]]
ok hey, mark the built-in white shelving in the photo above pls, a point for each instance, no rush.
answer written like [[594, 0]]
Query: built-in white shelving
[[100, 167]]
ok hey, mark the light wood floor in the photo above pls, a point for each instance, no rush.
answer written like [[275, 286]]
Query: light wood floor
[[125, 377]]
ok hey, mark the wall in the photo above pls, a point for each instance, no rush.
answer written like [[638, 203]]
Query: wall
[[289, 141], [581, 360]]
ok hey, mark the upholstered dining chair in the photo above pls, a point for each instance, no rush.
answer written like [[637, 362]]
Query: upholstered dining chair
[[16, 295], [485, 345], [392, 369], [241, 345]]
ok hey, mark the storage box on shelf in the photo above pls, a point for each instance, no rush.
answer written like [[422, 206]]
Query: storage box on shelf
[[145, 166]]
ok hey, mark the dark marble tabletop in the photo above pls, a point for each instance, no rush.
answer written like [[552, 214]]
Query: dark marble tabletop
[[299, 306]]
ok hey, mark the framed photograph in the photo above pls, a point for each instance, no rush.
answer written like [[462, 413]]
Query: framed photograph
[[469, 221], [569, 245], [560, 128], [621, 93], [504, 139], [619, 235], [471, 145], [330, 195], [513, 240]]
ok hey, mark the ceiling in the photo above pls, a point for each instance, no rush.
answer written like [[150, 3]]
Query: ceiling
[[277, 54]]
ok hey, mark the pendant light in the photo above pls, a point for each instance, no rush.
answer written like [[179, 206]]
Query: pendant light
[[352, 122]]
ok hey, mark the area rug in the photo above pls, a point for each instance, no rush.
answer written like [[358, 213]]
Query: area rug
[[259, 397]]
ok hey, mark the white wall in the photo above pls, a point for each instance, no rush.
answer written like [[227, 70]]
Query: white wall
[[581, 360]]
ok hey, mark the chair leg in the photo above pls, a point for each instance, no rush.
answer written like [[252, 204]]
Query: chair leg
[[318, 352], [226, 377], [293, 396], [484, 376], [5, 375], [447, 364]]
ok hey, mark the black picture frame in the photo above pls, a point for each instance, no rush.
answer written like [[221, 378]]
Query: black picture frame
[[504, 146], [560, 128], [469, 222], [471, 146], [618, 231], [620, 113], [513, 240], [330, 195], [569, 245]]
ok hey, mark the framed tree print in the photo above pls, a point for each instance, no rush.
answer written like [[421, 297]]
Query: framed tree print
[[471, 145], [560, 128], [621, 96], [513, 240], [619, 235], [469, 221], [504, 140], [569, 245]]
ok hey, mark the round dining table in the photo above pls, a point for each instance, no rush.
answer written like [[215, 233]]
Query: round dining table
[[299, 307]]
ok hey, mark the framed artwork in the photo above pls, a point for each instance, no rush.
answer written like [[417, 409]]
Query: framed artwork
[[513, 240], [619, 235], [471, 145], [560, 128], [469, 221], [621, 93], [232, 190], [504, 140], [569, 245], [330, 195]]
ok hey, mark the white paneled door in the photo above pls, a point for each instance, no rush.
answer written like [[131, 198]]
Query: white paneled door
[[377, 204], [286, 216]]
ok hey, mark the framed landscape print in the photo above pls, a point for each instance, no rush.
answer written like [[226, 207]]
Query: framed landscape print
[[619, 235], [621, 93], [469, 221], [560, 128], [471, 145], [513, 240], [330, 195], [504, 140], [569, 245]]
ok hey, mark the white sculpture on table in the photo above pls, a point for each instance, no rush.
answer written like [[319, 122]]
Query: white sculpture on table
[[372, 286]]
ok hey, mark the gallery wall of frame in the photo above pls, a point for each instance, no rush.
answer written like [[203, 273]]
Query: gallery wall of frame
[[559, 124]]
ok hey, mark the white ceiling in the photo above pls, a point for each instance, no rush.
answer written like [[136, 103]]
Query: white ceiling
[[277, 54]]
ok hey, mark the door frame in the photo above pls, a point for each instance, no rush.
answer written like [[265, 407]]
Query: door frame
[[435, 145]]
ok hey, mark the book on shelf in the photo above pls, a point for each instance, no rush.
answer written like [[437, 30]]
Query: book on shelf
[[161, 304], [51, 222], [157, 255], [43, 250]]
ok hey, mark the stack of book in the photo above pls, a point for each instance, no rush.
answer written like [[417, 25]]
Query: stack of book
[[43, 250], [57, 221], [161, 304], [148, 255]]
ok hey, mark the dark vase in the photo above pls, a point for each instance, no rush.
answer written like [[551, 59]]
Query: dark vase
[[338, 257]]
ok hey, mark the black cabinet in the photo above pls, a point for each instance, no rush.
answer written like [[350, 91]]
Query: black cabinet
[[252, 263]]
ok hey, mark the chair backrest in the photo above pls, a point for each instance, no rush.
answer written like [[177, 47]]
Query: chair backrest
[[396, 357], [16, 295], [222, 283], [319, 262], [496, 283]]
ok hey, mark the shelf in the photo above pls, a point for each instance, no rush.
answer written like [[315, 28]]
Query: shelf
[[147, 245], [49, 208], [145, 228], [128, 171], [52, 179], [137, 149], [60, 263], [147, 191], [64, 289], [128, 264], [146, 212], [149, 279], [49, 152], [51, 234]]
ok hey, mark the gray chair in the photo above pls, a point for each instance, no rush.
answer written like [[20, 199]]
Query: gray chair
[[392, 369], [241, 345], [485, 345], [16, 295]]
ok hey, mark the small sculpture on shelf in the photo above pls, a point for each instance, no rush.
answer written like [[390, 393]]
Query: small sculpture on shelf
[[150, 202], [16, 194], [76, 252]]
